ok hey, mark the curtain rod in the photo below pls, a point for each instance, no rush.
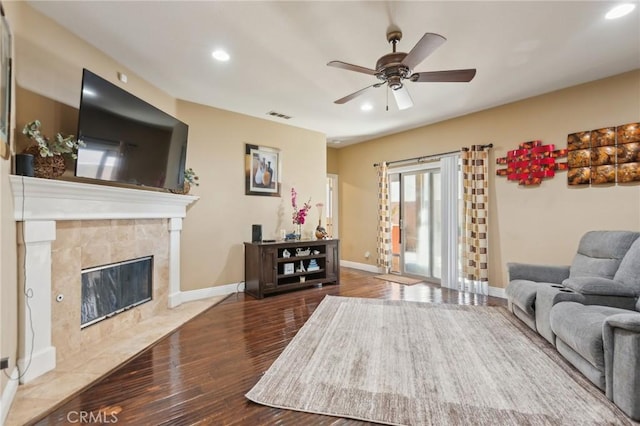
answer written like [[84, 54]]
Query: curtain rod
[[424, 157]]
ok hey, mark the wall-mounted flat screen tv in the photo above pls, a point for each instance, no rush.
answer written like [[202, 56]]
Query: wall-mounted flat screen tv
[[127, 139]]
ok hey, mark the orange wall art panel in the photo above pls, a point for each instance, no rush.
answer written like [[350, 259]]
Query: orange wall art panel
[[604, 156]]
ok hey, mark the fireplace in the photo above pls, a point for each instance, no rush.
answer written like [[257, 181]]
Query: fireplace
[[108, 290], [65, 228]]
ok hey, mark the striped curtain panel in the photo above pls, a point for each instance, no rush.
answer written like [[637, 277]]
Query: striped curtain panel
[[475, 250], [384, 220]]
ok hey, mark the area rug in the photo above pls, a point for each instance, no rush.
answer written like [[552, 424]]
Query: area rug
[[410, 363], [398, 279]]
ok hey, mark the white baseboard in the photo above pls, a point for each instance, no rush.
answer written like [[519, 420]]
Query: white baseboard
[[493, 291], [39, 363], [361, 266], [497, 292], [205, 293], [8, 394], [175, 299]]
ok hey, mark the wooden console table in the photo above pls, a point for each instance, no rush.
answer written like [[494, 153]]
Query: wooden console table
[[271, 268]]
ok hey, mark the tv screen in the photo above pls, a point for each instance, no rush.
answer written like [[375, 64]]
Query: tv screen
[[127, 139]]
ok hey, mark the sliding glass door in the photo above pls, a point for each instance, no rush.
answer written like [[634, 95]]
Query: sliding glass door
[[416, 222]]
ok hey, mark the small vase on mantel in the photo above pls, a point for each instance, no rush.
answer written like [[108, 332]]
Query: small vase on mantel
[[298, 231]]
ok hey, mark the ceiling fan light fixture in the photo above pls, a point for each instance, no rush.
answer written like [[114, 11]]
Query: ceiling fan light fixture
[[366, 107], [403, 98], [395, 82], [220, 55], [620, 11]]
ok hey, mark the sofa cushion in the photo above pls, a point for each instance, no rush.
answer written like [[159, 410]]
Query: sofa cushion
[[600, 252], [580, 327], [629, 270]]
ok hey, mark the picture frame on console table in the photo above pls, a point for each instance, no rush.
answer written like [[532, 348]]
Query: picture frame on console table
[[288, 268], [5, 86], [262, 171]]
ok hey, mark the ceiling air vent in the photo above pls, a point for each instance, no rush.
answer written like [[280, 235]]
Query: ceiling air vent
[[279, 115]]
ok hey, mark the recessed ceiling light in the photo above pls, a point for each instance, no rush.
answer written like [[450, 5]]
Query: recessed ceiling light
[[337, 142], [620, 11], [220, 55], [366, 107]]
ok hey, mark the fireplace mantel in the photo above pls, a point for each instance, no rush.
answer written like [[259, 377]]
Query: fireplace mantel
[[38, 205], [49, 199]]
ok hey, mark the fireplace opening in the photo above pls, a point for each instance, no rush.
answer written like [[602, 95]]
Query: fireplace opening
[[110, 289]]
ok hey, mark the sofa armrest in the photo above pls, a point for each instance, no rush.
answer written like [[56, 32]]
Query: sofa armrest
[[630, 321], [598, 286], [621, 341], [538, 273]]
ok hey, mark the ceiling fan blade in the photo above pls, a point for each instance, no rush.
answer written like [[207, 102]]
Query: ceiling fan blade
[[403, 98], [423, 48], [351, 67], [451, 76], [356, 94]]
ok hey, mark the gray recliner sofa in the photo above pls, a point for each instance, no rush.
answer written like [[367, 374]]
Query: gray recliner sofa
[[603, 342], [590, 311], [534, 289]]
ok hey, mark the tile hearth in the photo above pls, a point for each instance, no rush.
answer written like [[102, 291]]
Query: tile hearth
[[40, 395]]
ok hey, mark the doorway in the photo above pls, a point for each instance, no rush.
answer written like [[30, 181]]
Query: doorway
[[416, 222]]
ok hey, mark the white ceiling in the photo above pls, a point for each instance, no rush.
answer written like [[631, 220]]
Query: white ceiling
[[279, 51]]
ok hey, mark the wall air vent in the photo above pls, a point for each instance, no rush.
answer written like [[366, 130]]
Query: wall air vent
[[279, 115]]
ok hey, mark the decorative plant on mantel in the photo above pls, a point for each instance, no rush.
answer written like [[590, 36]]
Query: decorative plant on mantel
[[190, 179], [48, 161]]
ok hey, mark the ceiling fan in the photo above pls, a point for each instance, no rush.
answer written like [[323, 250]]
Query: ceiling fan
[[397, 67]]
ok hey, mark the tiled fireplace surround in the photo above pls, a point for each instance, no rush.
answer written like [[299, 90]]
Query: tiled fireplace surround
[[64, 227]]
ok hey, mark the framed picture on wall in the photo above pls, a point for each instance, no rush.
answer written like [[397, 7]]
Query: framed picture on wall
[[5, 85], [262, 170]]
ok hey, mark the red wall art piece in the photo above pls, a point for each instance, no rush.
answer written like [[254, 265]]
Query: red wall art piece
[[531, 163], [604, 156]]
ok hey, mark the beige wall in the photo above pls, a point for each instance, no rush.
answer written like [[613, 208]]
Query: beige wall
[[50, 59], [528, 224], [218, 224], [333, 165]]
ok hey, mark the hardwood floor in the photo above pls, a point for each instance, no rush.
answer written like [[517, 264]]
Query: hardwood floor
[[200, 373]]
